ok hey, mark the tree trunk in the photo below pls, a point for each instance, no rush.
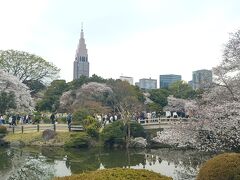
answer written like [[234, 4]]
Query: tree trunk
[[128, 133], [128, 156]]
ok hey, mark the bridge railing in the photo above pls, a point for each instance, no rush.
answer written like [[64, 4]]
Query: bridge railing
[[163, 121]]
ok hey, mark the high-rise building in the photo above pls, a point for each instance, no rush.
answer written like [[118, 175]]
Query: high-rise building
[[128, 79], [81, 64], [168, 79], [190, 83], [148, 83], [137, 84], [201, 79]]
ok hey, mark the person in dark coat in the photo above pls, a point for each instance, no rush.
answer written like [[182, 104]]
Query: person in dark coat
[[52, 117]]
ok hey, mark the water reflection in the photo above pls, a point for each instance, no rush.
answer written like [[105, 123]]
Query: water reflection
[[45, 163], [178, 164]]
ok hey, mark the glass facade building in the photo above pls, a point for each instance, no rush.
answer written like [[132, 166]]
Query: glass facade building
[[148, 83], [201, 79], [167, 79]]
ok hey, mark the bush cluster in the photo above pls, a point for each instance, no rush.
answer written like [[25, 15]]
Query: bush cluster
[[116, 132], [78, 140], [92, 126], [117, 174], [222, 167], [113, 133]]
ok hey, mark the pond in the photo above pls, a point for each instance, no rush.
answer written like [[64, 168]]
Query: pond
[[46, 163]]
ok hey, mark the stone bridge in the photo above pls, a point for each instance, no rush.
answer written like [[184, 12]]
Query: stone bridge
[[157, 123]]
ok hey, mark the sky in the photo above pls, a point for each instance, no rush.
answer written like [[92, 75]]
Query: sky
[[136, 38]]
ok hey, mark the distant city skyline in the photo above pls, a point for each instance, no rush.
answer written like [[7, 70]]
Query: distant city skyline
[[136, 38]]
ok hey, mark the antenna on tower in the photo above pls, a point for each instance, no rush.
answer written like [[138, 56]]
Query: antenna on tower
[[82, 35]]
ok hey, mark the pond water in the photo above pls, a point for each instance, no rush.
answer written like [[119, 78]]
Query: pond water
[[46, 163]]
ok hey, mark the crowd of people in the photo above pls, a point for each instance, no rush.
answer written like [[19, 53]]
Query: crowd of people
[[104, 119], [53, 118], [15, 119]]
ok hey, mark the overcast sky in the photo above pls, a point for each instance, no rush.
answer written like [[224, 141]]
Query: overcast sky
[[137, 38]]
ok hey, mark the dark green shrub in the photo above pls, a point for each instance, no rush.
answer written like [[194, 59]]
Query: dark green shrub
[[3, 130], [222, 167], [80, 115], [117, 174], [37, 117], [62, 120], [92, 130], [78, 140], [137, 130], [91, 126], [116, 132]]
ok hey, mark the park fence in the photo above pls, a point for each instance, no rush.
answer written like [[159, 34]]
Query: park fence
[[30, 128]]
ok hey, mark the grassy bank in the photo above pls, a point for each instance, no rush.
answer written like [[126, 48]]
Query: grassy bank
[[61, 139], [36, 139]]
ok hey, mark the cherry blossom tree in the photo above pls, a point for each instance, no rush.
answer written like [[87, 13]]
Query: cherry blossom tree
[[218, 111], [220, 107], [181, 105], [11, 84], [91, 95]]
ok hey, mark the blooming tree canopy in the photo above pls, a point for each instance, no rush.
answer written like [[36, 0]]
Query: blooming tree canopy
[[181, 105], [221, 104], [218, 111], [27, 67], [10, 83], [91, 95]]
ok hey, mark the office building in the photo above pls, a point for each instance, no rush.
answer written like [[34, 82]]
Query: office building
[[201, 79], [147, 83], [168, 79], [126, 78], [137, 84], [81, 64]]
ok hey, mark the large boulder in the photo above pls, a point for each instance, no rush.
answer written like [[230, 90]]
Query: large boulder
[[138, 142], [48, 134], [3, 143]]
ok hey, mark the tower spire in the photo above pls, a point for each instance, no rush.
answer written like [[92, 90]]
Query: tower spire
[[82, 34], [81, 64]]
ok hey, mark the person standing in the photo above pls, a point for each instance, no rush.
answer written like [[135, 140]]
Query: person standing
[[52, 117], [14, 120], [1, 119], [10, 121], [69, 119]]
